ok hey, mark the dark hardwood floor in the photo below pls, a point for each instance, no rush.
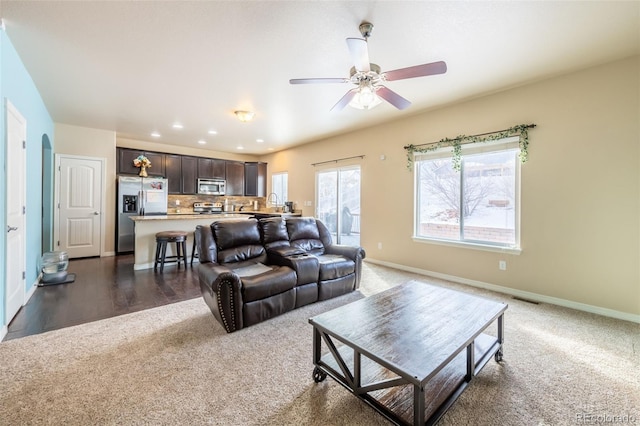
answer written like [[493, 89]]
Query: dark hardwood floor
[[104, 287]]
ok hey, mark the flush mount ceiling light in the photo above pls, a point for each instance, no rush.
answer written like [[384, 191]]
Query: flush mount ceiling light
[[365, 97], [213, 132], [244, 116], [202, 142], [177, 126], [155, 135]]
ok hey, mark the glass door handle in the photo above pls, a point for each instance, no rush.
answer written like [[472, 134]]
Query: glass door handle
[[11, 228]]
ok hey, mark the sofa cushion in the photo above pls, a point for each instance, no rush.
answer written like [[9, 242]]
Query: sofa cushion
[[242, 253], [235, 233], [334, 266], [309, 246], [302, 228], [278, 280], [274, 232]]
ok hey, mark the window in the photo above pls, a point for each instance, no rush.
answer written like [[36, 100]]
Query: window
[[478, 205], [279, 186], [338, 203]]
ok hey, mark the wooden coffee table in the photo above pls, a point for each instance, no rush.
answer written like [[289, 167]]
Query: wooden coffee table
[[410, 351]]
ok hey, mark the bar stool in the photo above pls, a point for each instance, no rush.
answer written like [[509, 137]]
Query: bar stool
[[162, 238], [194, 250]]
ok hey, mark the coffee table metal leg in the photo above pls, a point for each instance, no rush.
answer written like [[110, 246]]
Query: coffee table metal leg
[[499, 353], [418, 405], [471, 361]]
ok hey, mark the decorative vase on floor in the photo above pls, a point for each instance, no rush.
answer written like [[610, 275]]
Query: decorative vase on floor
[[143, 171]]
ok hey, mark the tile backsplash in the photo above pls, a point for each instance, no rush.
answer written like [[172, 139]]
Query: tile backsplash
[[186, 202]]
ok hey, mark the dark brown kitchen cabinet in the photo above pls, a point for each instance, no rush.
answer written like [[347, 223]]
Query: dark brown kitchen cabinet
[[125, 161], [189, 174], [157, 163], [235, 178], [173, 167], [126, 157], [211, 168], [255, 179]]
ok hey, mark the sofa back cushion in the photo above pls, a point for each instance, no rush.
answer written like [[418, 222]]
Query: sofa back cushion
[[304, 234], [274, 232], [238, 240]]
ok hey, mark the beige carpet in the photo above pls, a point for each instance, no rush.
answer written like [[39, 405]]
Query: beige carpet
[[176, 365]]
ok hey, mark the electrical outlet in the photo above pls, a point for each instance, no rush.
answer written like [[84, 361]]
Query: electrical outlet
[[379, 246], [502, 265], [177, 202]]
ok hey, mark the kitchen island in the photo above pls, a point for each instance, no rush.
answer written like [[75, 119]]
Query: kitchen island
[[146, 228]]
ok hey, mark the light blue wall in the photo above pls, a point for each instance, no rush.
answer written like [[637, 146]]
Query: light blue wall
[[17, 86]]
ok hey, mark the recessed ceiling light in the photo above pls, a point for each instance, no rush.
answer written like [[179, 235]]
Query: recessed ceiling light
[[213, 132], [240, 147], [155, 135], [259, 140], [202, 142], [177, 126], [270, 149]]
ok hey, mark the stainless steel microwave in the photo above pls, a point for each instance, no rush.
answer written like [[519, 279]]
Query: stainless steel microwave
[[211, 186]]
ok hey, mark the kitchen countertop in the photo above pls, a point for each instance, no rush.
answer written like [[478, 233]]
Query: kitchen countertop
[[238, 213], [188, 216]]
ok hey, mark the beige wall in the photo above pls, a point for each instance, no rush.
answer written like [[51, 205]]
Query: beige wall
[[73, 140], [580, 189]]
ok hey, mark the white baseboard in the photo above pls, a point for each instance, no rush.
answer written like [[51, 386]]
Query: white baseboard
[[31, 291], [3, 332], [514, 292]]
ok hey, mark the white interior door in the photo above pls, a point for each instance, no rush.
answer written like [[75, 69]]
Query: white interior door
[[80, 188], [16, 224]]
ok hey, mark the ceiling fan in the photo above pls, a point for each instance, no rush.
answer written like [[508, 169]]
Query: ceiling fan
[[368, 77]]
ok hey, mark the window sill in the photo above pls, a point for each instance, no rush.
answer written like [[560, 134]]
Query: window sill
[[473, 246]]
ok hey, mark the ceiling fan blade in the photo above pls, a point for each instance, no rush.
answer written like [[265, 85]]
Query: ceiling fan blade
[[416, 71], [344, 101], [359, 53], [318, 80], [392, 97]]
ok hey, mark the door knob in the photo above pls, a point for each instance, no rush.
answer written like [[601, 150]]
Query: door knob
[[96, 213], [11, 228]]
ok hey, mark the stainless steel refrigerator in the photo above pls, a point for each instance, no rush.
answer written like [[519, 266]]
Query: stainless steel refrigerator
[[138, 196]]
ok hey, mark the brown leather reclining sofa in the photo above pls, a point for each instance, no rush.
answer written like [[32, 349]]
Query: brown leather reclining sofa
[[253, 270]]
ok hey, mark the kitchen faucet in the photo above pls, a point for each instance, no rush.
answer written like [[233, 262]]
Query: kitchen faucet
[[275, 196]]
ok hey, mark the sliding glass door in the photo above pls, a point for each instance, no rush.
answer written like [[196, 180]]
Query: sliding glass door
[[338, 203]]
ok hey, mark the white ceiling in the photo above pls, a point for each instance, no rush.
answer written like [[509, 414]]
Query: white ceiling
[[138, 67]]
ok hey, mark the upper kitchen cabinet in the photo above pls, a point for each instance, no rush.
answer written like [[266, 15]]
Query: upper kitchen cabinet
[[126, 157], [157, 163], [125, 161], [235, 178], [189, 174], [173, 167], [255, 179], [211, 168]]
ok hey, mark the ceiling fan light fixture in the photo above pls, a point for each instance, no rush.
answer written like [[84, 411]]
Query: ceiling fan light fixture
[[365, 98], [244, 116]]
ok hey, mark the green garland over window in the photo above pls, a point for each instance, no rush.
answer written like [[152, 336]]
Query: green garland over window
[[521, 130]]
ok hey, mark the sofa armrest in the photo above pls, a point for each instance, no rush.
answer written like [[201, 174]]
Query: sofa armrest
[[351, 252], [222, 291], [354, 253], [305, 266]]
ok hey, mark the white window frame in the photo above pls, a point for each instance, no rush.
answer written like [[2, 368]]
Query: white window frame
[[274, 189], [472, 148]]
